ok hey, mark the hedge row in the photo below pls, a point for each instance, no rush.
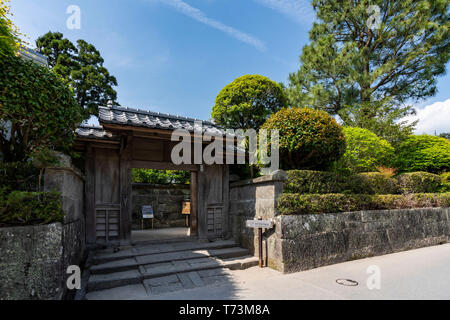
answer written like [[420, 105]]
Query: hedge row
[[291, 204], [323, 182], [29, 208]]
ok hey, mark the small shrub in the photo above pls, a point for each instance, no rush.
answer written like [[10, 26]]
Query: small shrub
[[365, 151], [417, 182], [423, 153], [445, 180], [386, 171], [377, 183], [22, 176], [30, 208], [309, 139], [310, 181], [292, 204]]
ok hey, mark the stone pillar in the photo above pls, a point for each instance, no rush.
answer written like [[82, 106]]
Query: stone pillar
[[254, 198], [69, 181]]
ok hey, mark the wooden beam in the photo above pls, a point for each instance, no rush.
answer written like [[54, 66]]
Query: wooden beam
[[142, 164]]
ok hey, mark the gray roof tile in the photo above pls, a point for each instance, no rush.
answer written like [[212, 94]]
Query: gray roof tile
[[154, 120], [93, 132]]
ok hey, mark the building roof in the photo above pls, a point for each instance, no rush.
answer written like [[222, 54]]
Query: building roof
[[154, 120], [94, 132], [29, 54]]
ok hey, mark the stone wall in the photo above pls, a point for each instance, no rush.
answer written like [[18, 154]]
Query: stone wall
[[32, 262], [310, 241], [166, 201], [250, 199], [34, 259]]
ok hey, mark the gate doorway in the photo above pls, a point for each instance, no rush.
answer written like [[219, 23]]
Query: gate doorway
[[161, 205]]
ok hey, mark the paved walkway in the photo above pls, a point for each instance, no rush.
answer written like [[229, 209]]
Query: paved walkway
[[416, 274]]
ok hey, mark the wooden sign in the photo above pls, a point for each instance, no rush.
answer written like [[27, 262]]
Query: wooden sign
[[186, 207], [147, 212], [267, 224]]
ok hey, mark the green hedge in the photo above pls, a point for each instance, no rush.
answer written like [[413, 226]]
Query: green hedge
[[29, 208], [445, 180], [311, 182], [419, 182], [291, 204]]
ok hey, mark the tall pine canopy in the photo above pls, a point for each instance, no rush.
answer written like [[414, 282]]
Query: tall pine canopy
[[367, 60]]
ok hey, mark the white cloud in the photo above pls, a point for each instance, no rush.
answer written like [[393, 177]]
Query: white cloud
[[198, 15], [432, 118], [300, 11]]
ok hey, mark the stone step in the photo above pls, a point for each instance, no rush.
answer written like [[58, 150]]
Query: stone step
[[150, 274], [169, 257], [108, 255]]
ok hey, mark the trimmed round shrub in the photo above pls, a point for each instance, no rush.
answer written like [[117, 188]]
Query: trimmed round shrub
[[309, 139], [423, 153], [418, 182], [365, 151], [247, 102]]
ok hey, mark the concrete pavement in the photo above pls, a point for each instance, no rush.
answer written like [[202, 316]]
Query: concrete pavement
[[416, 274]]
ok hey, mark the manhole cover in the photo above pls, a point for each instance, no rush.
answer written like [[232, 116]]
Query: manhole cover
[[347, 282]]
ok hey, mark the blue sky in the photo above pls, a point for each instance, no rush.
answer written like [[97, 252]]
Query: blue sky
[[175, 56]]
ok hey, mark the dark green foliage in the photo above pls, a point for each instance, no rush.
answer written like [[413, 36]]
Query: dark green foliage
[[369, 74], [290, 204], [29, 208], [419, 182], [365, 151], [423, 153], [309, 139], [310, 182], [377, 183], [247, 102], [160, 176], [81, 66], [36, 109], [445, 179], [22, 176]]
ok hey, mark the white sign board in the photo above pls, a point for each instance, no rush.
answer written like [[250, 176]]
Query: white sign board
[[267, 224], [147, 212]]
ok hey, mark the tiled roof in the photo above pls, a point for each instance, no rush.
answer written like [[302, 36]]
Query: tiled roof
[[93, 132], [154, 120]]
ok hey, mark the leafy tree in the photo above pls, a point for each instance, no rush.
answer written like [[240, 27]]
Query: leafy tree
[[37, 110], [160, 176], [445, 135], [423, 153], [365, 151], [309, 139], [82, 67], [247, 102], [9, 34], [367, 73]]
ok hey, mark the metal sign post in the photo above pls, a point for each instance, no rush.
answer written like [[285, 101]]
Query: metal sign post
[[260, 224]]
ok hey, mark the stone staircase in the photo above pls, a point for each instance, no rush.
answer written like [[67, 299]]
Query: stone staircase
[[163, 267]]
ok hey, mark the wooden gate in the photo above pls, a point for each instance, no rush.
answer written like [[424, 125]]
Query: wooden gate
[[213, 202]]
